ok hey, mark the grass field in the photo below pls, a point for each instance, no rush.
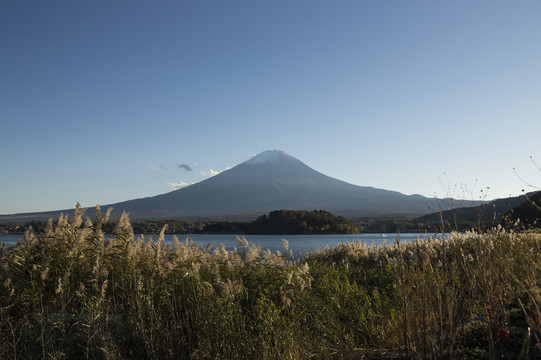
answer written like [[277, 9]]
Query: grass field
[[70, 294]]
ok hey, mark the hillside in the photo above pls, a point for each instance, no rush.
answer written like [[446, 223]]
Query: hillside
[[293, 222], [528, 213], [486, 215]]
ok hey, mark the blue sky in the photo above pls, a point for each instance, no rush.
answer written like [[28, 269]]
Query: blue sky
[[104, 101]]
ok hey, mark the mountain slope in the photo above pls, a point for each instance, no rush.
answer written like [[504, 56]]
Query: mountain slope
[[487, 214], [274, 180], [528, 212], [269, 181]]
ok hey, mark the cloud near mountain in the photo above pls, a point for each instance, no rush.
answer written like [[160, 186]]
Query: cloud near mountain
[[184, 167], [209, 173], [268, 181], [179, 185]]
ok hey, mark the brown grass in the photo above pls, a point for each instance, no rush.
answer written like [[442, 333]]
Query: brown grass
[[72, 293]]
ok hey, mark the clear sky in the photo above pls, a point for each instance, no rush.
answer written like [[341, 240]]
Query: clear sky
[[103, 101]]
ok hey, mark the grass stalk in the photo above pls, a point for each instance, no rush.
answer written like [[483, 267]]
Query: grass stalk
[[85, 295]]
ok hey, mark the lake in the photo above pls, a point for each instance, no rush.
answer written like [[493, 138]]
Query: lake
[[297, 243]]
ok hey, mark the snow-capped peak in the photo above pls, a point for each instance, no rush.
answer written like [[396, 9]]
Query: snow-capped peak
[[270, 156]]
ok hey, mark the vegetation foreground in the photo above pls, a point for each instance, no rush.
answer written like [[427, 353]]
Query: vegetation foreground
[[71, 294]]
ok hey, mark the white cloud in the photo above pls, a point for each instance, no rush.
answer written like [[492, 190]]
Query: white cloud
[[152, 167], [179, 185], [210, 173]]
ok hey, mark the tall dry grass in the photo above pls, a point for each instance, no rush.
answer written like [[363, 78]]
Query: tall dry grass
[[72, 293]]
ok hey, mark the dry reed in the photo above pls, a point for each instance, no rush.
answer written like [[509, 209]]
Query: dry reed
[[75, 293]]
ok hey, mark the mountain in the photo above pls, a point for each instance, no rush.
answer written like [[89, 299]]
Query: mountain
[[528, 212], [269, 181], [487, 214]]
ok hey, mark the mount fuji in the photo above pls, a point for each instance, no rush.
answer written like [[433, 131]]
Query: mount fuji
[[269, 181], [273, 180]]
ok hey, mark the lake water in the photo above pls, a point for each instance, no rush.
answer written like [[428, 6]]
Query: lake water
[[297, 243]]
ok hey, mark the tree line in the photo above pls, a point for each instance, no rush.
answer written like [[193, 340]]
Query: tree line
[[286, 222]]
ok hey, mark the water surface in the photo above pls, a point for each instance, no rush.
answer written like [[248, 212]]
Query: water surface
[[297, 243]]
